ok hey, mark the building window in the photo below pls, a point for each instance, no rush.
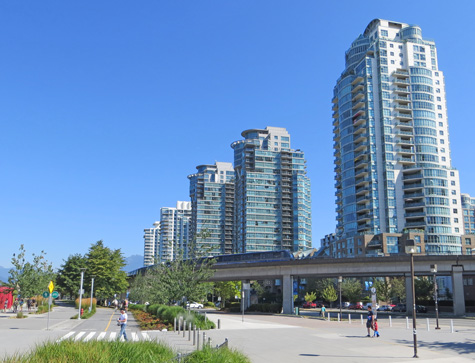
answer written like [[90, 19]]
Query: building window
[[417, 239], [468, 241], [439, 99], [456, 230], [443, 158], [439, 107], [442, 141], [441, 124], [442, 149], [452, 182], [455, 211], [439, 115], [456, 220], [384, 33], [454, 201]]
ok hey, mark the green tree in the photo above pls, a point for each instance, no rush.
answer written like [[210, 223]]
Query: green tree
[[424, 289], [69, 275], [329, 294], [383, 290], [227, 290], [310, 296], [30, 278], [351, 289], [106, 267], [398, 289], [318, 286]]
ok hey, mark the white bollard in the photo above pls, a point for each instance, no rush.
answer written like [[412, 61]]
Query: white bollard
[[451, 326], [338, 317], [428, 327], [361, 316], [349, 318], [407, 322], [390, 322], [328, 316]]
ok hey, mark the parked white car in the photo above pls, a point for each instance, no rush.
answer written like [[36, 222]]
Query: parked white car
[[194, 305]]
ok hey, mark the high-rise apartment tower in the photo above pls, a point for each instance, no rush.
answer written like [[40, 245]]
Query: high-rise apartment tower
[[272, 193], [174, 231], [393, 168], [151, 244], [212, 203]]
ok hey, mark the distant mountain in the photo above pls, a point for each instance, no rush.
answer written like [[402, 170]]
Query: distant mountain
[[133, 262], [4, 273]]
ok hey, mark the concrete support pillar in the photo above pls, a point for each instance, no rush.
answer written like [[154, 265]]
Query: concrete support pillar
[[247, 293], [458, 294], [287, 294], [408, 294]]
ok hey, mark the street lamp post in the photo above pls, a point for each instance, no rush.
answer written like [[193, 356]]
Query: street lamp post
[[340, 280], [411, 249], [433, 269], [80, 293], [92, 292]]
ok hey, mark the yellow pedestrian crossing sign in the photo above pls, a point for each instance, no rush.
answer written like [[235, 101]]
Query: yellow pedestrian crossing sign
[[51, 287]]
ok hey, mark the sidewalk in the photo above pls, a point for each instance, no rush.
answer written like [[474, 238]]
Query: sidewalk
[[277, 338]]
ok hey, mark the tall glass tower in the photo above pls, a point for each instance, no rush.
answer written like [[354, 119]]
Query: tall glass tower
[[272, 193], [393, 168], [174, 231], [212, 203]]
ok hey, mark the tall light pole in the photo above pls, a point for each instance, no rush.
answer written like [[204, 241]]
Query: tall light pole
[[80, 293], [433, 269], [340, 280], [92, 292], [411, 249]]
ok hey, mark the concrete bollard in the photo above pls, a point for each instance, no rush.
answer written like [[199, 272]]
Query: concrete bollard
[[194, 335], [390, 322], [174, 324], [198, 339], [428, 327], [189, 331], [206, 318], [338, 317], [219, 323], [209, 342], [361, 316], [349, 318], [204, 340], [184, 328], [451, 326], [329, 316]]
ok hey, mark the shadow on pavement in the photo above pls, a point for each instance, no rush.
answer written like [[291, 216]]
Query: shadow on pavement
[[466, 347]]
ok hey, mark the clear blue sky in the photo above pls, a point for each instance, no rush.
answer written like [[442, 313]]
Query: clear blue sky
[[107, 106]]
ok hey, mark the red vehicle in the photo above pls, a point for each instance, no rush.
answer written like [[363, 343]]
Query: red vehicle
[[357, 306], [309, 305]]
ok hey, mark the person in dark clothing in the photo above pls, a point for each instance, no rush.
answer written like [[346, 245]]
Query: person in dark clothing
[[369, 321]]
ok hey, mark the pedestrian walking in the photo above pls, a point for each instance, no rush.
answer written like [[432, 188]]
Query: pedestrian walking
[[28, 304], [369, 321], [322, 311], [123, 324], [375, 328], [6, 305]]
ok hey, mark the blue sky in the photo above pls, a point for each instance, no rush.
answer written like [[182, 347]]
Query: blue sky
[[107, 106]]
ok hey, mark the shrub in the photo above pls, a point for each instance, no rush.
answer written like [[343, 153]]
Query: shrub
[[266, 308], [43, 309], [209, 304], [20, 315], [234, 307], [152, 309], [86, 303], [137, 307]]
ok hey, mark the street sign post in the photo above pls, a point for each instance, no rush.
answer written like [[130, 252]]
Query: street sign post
[[55, 294], [45, 294], [50, 287]]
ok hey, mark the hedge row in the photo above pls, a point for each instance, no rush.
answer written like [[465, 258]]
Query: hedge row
[[266, 308]]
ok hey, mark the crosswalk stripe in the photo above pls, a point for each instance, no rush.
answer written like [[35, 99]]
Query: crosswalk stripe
[[79, 335], [89, 336], [113, 336], [146, 336], [66, 336], [135, 338], [101, 335]]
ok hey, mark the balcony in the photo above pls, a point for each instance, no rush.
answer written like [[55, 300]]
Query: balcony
[[417, 214], [404, 141], [362, 181], [404, 124], [419, 223], [359, 86], [412, 196], [361, 172], [361, 146], [413, 205], [401, 90], [362, 207], [359, 111], [335, 114], [363, 198], [358, 79], [364, 217], [360, 137], [335, 99], [412, 186], [400, 73], [336, 122], [401, 150], [358, 129], [412, 176], [399, 106], [362, 227], [362, 162], [358, 104], [359, 120], [404, 160], [358, 95], [400, 98], [401, 81], [360, 153], [335, 107], [362, 190], [403, 116]]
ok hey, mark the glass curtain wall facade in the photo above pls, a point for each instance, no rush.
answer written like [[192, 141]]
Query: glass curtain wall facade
[[174, 231], [151, 244], [393, 167], [272, 193], [212, 203], [468, 207]]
